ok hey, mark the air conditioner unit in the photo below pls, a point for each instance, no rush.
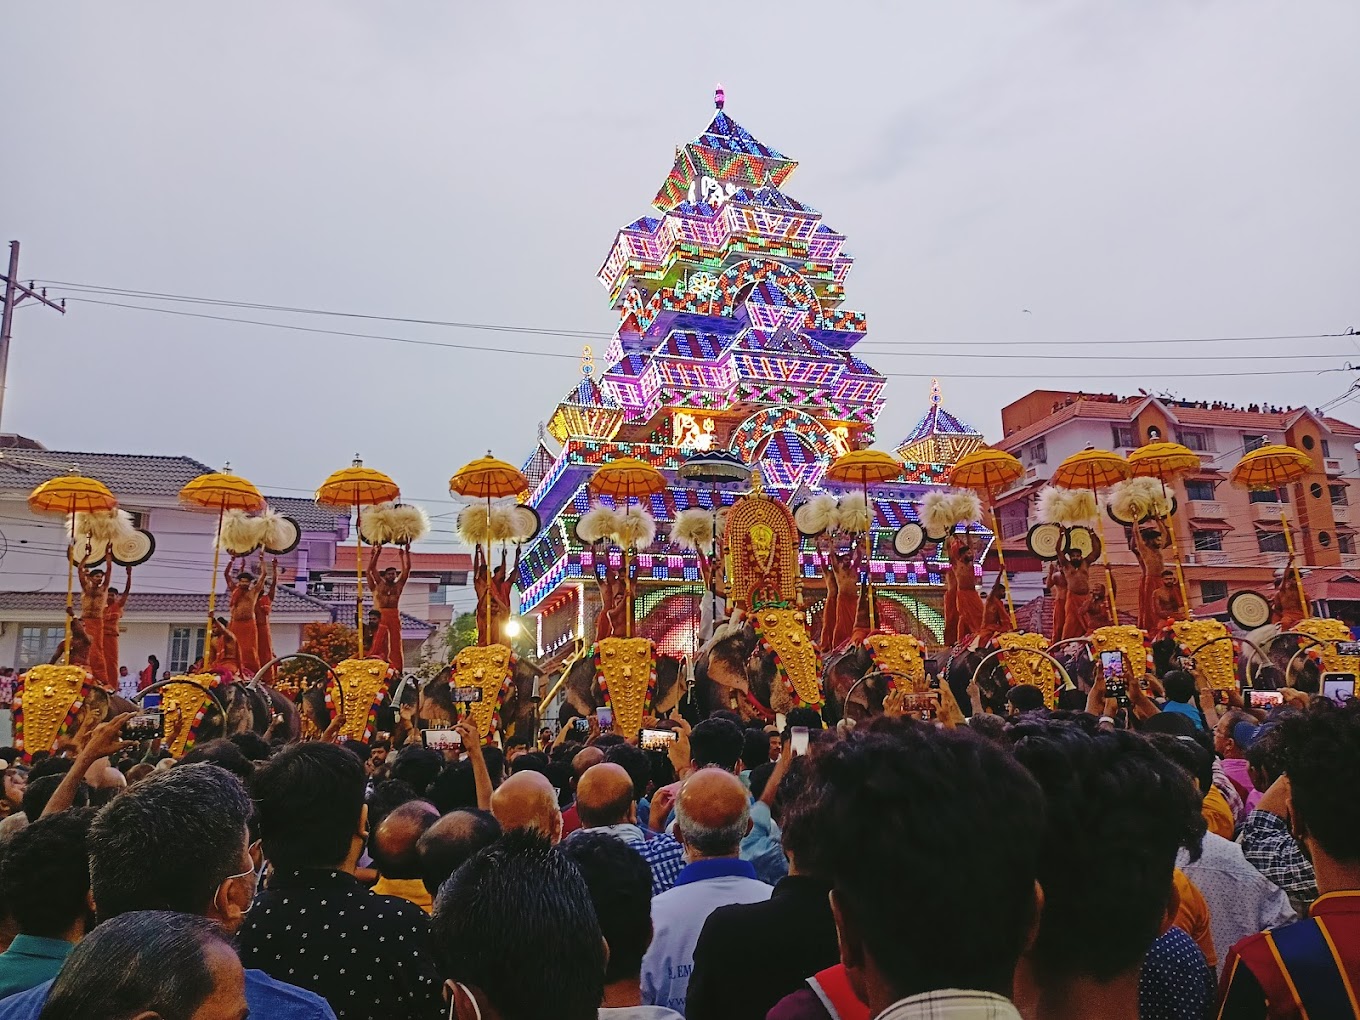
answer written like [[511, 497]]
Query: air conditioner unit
[[1189, 559]]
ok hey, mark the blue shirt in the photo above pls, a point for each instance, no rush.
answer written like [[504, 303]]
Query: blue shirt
[[30, 960], [266, 999], [1186, 709]]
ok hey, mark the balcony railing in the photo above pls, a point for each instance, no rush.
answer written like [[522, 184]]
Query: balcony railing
[[1331, 465], [1341, 513], [1274, 559], [1209, 509], [1211, 557], [1265, 512]]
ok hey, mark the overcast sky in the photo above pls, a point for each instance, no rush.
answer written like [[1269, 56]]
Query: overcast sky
[[1123, 170]]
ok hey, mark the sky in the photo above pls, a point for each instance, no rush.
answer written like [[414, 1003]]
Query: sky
[[1007, 172]]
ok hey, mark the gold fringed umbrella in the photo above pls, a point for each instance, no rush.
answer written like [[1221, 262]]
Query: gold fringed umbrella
[[488, 478], [867, 467], [1167, 462], [71, 494], [354, 487], [987, 472], [1271, 467], [1094, 469], [220, 491], [627, 479]]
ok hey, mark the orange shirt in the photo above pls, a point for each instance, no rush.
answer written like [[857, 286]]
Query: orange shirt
[[1218, 814], [1191, 914]]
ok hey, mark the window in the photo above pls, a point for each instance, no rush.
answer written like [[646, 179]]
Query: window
[[38, 644], [1271, 542], [1199, 490], [1014, 519], [186, 648], [1250, 443], [1340, 495], [1269, 495], [1037, 453], [1212, 540], [1194, 439], [1324, 538], [1124, 436], [1345, 543], [1326, 448], [1309, 442], [1212, 591]]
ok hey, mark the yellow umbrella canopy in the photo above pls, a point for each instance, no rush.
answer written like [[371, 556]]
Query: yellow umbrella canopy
[[488, 478], [1164, 461], [222, 491], [1270, 467], [1090, 469], [626, 478], [866, 467], [71, 494], [986, 471], [357, 485]]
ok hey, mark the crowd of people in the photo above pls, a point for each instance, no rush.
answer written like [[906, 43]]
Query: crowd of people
[[1152, 860]]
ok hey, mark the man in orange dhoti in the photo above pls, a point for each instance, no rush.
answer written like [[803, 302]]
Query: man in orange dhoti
[[1077, 574], [94, 600], [1057, 586], [502, 581], [387, 588], [245, 590], [846, 567], [826, 640], [113, 619], [1285, 607], [264, 637], [968, 610]]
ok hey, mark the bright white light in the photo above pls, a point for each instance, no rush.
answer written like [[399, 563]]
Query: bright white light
[[513, 628]]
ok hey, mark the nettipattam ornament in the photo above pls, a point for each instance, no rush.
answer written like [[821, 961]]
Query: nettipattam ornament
[[1022, 666], [901, 658], [1208, 642], [626, 671], [783, 632], [184, 702], [489, 669], [1327, 632], [1127, 639], [47, 706], [363, 688]]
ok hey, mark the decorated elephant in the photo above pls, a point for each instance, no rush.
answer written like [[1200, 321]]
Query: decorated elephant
[[432, 703], [585, 684]]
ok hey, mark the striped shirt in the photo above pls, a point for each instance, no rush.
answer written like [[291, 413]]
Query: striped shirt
[[1307, 970]]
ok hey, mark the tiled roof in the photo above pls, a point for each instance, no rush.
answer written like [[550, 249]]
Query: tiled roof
[[423, 562], [126, 474], [309, 516], [1099, 410], [287, 602], [1342, 428], [726, 134]]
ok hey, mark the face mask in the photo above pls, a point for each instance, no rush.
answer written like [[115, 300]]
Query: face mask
[[476, 1008]]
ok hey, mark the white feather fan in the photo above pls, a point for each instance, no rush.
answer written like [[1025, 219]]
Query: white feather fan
[[502, 522], [937, 513], [597, 523], [1081, 507], [409, 524], [473, 526], [241, 533], [1137, 499], [965, 506], [279, 531], [693, 529], [375, 523], [1068, 507], [852, 514], [636, 527], [100, 528], [819, 514]]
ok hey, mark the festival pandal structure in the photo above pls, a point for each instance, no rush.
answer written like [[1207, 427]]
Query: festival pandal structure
[[731, 337]]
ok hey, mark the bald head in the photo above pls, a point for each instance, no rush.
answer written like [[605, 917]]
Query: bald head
[[604, 796], [526, 801], [451, 841], [586, 759], [712, 814], [393, 845]]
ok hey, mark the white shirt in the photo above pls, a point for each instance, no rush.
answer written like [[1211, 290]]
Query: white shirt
[[678, 915], [1241, 900], [952, 1004], [638, 1013]]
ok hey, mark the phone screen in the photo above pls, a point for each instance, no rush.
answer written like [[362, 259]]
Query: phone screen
[[606, 719], [921, 706], [580, 724], [441, 740], [1266, 699], [1338, 687], [1112, 669], [656, 740], [145, 725], [151, 701], [466, 695], [798, 739]]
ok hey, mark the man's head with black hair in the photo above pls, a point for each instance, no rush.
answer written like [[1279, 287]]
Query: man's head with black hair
[[310, 799], [530, 761], [519, 877], [386, 797], [252, 745], [450, 841], [1179, 686], [1322, 761], [620, 884], [803, 716], [755, 750], [45, 876], [417, 766], [909, 801], [635, 762], [1117, 811], [1025, 698], [1194, 760], [716, 742], [225, 755], [1266, 756], [39, 791], [169, 842]]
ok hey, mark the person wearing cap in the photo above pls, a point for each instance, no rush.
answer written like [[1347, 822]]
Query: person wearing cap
[[1232, 736]]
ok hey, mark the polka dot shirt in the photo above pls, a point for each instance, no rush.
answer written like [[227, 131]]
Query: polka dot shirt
[[367, 955], [1176, 982]]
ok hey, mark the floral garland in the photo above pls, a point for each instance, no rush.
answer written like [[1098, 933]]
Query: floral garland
[[766, 646], [68, 722]]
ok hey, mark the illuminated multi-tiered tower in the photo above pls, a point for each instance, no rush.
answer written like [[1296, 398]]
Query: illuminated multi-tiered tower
[[732, 337]]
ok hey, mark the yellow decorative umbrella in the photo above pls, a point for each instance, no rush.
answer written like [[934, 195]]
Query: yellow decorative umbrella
[[866, 467], [1094, 469], [1271, 467], [71, 494], [488, 478], [220, 491], [1167, 462], [987, 472], [357, 486], [627, 479]]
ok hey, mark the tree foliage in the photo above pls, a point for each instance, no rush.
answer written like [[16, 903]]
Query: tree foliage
[[330, 642]]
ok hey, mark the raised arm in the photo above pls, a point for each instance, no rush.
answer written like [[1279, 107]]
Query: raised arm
[[372, 572], [273, 577], [405, 555], [227, 574]]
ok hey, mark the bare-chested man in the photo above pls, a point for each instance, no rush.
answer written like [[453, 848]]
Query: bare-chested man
[[1147, 540], [968, 611], [1077, 573], [1057, 586], [502, 581], [80, 644], [94, 600], [1166, 599], [113, 619], [245, 590], [264, 636], [1286, 608], [825, 552], [387, 588]]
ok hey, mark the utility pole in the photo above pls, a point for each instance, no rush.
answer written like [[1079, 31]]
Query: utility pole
[[15, 294]]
